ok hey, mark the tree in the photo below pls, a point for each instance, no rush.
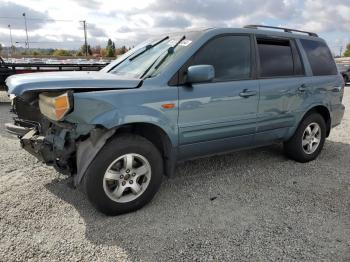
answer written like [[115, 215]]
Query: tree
[[61, 52], [122, 50], [0, 48], [110, 48], [347, 51], [79, 53], [36, 53], [83, 49]]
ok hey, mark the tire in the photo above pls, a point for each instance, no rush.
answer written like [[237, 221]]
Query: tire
[[306, 151], [100, 188]]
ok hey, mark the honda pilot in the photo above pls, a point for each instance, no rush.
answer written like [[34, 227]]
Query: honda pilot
[[176, 97]]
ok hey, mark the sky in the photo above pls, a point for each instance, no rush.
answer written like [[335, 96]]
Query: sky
[[57, 24]]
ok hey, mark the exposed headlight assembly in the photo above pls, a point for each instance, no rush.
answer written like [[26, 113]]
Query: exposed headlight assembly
[[55, 105]]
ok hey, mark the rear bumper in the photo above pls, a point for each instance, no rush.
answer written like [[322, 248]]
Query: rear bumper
[[337, 114]]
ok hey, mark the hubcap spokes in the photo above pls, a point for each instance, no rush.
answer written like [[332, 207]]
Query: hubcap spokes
[[311, 138], [127, 178]]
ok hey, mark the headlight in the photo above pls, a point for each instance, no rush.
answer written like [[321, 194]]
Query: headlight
[[55, 105]]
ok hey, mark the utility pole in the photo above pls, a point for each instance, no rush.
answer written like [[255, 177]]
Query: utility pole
[[25, 24], [11, 47], [85, 37], [341, 50]]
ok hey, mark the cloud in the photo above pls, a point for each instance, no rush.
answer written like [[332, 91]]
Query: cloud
[[95, 31], [13, 16], [326, 16], [91, 4], [171, 21], [133, 21], [225, 10]]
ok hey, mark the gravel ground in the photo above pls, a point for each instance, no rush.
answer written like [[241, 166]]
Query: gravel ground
[[248, 206]]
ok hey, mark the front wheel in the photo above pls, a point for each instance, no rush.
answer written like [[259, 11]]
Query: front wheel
[[308, 140], [124, 176]]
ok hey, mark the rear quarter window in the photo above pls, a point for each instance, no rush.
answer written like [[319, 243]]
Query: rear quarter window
[[320, 57]]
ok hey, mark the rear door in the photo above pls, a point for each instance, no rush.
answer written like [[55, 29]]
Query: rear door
[[282, 87], [220, 115]]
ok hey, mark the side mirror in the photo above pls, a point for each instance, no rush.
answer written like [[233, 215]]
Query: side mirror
[[200, 73]]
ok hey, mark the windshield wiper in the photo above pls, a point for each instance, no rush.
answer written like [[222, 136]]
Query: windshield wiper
[[169, 51], [148, 47]]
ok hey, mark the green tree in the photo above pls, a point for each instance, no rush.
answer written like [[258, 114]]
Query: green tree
[[83, 49], [36, 53], [61, 52], [347, 51], [110, 48], [0, 48], [79, 53]]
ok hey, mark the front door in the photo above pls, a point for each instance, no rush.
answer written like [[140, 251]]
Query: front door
[[221, 115]]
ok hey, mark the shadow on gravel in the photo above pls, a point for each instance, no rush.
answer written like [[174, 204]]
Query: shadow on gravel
[[245, 205]]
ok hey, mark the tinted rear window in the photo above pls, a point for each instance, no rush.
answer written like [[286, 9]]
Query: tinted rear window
[[320, 58], [276, 58]]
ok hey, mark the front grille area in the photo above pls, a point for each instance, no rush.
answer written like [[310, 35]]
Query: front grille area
[[26, 111]]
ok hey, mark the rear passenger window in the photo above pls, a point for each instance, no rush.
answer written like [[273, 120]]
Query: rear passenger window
[[276, 58], [320, 58], [230, 56]]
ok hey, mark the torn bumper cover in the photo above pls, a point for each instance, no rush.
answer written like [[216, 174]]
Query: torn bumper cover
[[61, 149], [52, 149]]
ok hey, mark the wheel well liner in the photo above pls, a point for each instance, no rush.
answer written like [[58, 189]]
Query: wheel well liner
[[324, 112], [158, 137]]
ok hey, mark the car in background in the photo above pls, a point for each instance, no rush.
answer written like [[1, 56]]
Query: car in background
[[344, 69]]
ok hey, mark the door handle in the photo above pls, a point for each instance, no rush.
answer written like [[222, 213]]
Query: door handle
[[336, 89], [302, 88], [247, 93]]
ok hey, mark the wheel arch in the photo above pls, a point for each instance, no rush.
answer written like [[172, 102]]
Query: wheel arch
[[324, 112], [157, 136], [100, 136]]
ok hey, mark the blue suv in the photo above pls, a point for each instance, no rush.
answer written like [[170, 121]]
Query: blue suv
[[178, 97]]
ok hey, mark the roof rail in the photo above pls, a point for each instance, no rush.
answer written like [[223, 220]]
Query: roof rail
[[287, 30]]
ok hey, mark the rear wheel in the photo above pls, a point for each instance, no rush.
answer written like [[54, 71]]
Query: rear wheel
[[124, 176], [308, 140]]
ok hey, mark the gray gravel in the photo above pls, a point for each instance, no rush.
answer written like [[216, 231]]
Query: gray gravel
[[249, 206], [3, 97]]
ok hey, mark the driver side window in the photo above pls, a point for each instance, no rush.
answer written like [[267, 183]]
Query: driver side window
[[229, 55]]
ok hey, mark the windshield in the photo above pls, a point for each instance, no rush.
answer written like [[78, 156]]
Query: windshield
[[150, 58]]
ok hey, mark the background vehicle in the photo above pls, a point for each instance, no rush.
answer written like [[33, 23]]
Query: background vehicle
[[174, 98], [344, 69]]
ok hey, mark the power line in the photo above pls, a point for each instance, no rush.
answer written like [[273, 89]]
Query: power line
[[48, 42], [42, 19]]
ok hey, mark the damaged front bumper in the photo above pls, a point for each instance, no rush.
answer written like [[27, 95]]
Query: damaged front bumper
[[67, 151], [55, 148]]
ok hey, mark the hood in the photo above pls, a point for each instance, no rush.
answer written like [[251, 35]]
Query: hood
[[19, 84]]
